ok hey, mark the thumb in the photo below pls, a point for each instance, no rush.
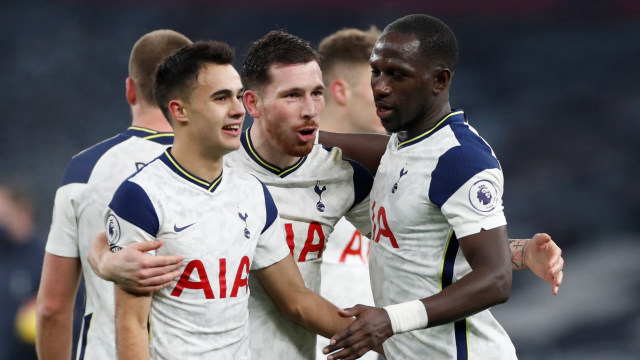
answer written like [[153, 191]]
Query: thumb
[[145, 246], [352, 311]]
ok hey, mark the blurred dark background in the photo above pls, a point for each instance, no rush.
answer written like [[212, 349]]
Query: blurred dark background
[[552, 85]]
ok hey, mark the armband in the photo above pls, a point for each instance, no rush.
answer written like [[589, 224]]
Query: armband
[[410, 315]]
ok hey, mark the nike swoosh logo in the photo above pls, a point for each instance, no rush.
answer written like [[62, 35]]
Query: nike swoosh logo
[[178, 229]]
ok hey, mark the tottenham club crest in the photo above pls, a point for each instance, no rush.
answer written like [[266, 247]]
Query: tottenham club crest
[[483, 196], [319, 191], [244, 217], [113, 233], [403, 172]]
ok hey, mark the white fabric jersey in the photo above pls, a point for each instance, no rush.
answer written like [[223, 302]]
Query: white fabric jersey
[[87, 185], [311, 195], [222, 229], [428, 192], [345, 274]]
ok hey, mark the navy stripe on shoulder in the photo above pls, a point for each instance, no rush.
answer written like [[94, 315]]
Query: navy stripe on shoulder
[[459, 164], [270, 206], [362, 181], [80, 167], [132, 204]]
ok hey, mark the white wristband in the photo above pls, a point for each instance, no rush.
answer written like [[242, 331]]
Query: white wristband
[[411, 315]]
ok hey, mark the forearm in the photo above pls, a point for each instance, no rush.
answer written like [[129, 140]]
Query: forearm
[[97, 252], [132, 337], [366, 148], [54, 306], [53, 336], [316, 314], [475, 292], [517, 253]]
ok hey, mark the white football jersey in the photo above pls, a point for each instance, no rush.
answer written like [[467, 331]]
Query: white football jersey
[[429, 191], [87, 185], [345, 274], [312, 195], [223, 229]]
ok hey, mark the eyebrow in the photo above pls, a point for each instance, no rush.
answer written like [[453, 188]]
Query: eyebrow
[[299, 89], [227, 92]]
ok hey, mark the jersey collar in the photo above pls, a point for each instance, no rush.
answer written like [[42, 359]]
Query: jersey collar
[[165, 138], [245, 139], [171, 162], [454, 116]]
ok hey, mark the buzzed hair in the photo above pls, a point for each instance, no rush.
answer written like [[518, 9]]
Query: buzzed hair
[[147, 53], [277, 47], [347, 46], [177, 75], [437, 40]]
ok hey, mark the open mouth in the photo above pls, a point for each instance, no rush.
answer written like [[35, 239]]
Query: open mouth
[[234, 129], [306, 135], [383, 111]]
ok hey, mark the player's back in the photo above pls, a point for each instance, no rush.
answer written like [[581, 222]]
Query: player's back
[[86, 188]]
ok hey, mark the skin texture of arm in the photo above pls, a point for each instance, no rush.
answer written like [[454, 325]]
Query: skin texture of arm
[[488, 284], [284, 285], [131, 268], [132, 337], [54, 306], [365, 148]]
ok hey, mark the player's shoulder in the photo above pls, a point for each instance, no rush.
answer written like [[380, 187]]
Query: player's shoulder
[[82, 164]]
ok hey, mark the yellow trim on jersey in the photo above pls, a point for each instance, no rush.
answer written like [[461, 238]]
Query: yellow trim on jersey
[[158, 136], [431, 130], [291, 168], [466, 334], [444, 255], [257, 157], [273, 168], [184, 172], [143, 129]]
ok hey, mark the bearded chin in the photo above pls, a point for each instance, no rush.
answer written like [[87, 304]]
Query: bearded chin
[[297, 150]]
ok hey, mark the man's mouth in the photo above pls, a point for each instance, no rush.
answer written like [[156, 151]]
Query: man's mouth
[[307, 134], [233, 129]]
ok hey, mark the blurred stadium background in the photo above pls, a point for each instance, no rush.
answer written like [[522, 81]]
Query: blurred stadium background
[[553, 85]]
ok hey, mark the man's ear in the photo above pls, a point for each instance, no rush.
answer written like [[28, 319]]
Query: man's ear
[[130, 91], [178, 111], [339, 90], [441, 80], [252, 101]]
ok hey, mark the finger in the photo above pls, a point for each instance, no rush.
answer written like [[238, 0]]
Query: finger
[[556, 287], [162, 261], [144, 246]]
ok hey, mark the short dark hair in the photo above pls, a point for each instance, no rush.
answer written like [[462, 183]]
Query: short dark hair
[[437, 40], [349, 45], [277, 47], [147, 53], [177, 74]]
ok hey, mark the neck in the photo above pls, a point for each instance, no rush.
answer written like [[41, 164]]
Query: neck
[[150, 118], [334, 119], [267, 147], [429, 121], [203, 163]]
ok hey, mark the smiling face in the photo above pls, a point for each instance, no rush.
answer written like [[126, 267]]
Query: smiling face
[[290, 105], [403, 83], [215, 110]]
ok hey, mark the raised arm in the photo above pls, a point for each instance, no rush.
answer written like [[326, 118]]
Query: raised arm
[[488, 284], [541, 255], [132, 337], [365, 148], [130, 268], [54, 306], [284, 285]]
